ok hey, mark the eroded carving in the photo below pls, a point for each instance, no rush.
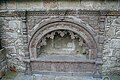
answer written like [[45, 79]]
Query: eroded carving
[[63, 42]]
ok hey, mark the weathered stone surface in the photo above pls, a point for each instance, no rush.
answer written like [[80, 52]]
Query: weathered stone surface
[[65, 5], [3, 61], [116, 22], [101, 39], [54, 4], [115, 43], [52, 77], [111, 44], [15, 33], [21, 76], [13, 42], [118, 34], [14, 24], [111, 32], [11, 5], [63, 66]]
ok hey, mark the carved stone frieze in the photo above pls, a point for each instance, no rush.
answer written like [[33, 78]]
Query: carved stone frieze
[[67, 12]]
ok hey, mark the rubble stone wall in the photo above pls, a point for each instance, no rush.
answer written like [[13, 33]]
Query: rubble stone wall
[[12, 40], [3, 60], [112, 42], [3, 57]]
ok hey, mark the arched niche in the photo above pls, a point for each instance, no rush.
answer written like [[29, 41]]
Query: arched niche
[[68, 23], [62, 43]]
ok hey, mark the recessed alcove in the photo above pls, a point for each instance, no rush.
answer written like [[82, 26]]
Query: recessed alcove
[[62, 45]]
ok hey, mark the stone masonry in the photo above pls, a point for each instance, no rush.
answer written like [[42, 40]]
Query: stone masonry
[[21, 20], [3, 61]]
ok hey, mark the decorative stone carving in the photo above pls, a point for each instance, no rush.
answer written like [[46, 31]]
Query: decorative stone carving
[[43, 42], [102, 21], [43, 20], [101, 39], [62, 45], [72, 35], [111, 32], [77, 29], [66, 27], [58, 12], [61, 33]]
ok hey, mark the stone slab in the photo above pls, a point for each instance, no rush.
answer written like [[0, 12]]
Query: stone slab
[[51, 77]]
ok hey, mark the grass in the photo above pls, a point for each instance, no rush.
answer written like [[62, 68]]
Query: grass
[[10, 75], [115, 77]]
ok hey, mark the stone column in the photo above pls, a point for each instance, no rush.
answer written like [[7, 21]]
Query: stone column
[[101, 38], [25, 40]]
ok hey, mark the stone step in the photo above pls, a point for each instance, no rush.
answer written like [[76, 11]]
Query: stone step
[[62, 78], [52, 77]]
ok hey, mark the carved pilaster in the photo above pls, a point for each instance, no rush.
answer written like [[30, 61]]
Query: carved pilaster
[[101, 35], [25, 40], [99, 62]]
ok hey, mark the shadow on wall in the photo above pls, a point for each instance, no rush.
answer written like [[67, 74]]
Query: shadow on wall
[[1, 23]]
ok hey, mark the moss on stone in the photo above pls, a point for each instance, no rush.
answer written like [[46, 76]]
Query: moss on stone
[[116, 77], [10, 75]]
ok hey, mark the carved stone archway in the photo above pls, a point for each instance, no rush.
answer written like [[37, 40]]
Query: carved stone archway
[[72, 24], [63, 43], [68, 23]]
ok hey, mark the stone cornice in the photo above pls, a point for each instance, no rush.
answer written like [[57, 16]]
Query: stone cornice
[[22, 13]]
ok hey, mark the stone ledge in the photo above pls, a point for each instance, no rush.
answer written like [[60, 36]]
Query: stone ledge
[[84, 61], [63, 73]]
